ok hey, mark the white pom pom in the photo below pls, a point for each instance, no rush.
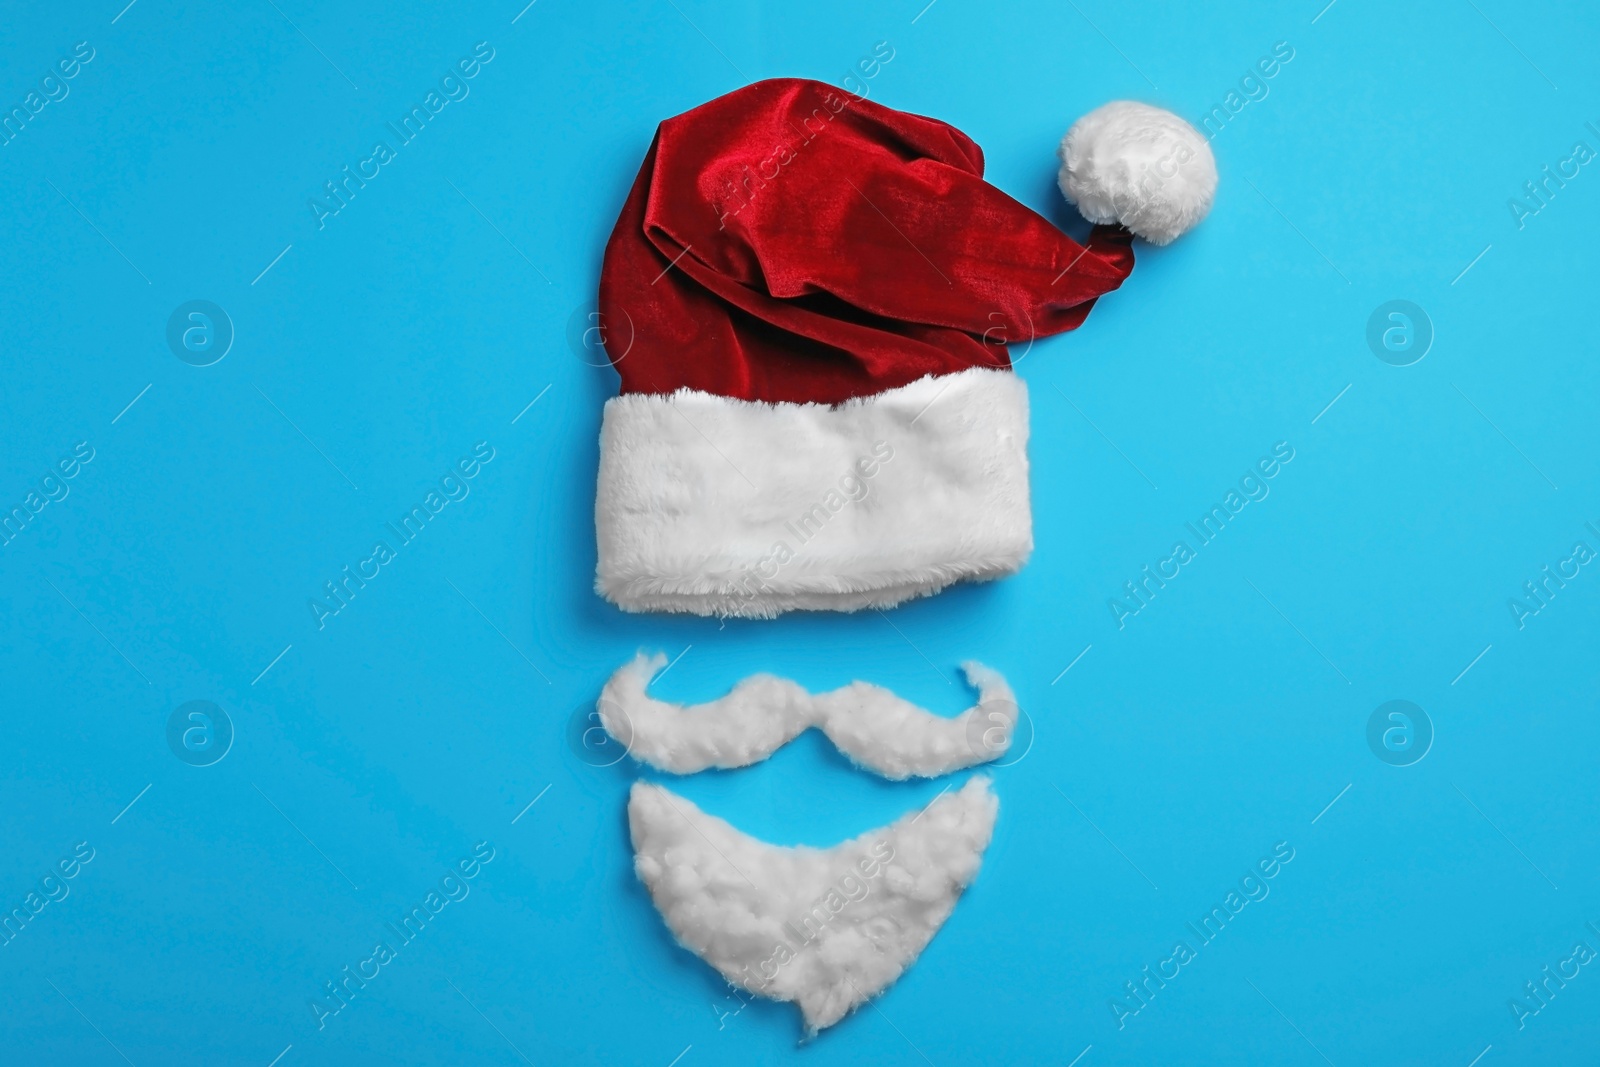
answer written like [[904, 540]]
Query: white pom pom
[[1141, 166]]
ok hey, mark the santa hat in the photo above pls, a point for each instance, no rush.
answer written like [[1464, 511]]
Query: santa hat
[[809, 298]]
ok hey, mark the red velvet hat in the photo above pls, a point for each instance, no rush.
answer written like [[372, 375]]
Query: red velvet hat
[[808, 297]]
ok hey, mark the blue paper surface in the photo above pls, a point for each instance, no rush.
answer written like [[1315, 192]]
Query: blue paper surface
[[347, 363]]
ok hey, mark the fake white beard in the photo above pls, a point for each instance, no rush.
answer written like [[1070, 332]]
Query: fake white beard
[[869, 724], [825, 928]]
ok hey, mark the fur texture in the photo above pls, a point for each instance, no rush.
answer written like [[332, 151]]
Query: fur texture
[[869, 724], [727, 507], [1141, 166], [825, 928]]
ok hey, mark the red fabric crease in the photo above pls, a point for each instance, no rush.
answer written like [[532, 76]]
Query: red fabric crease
[[792, 242]]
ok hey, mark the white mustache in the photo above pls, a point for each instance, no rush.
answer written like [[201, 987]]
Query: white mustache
[[826, 928], [869, 724]]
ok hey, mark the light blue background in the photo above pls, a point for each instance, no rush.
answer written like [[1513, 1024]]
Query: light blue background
[[425, 716]]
